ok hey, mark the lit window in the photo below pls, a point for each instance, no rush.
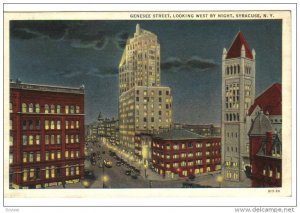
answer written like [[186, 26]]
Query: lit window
[[270, 173], [77, 154], [37, 108], [31, 174], [77, 124], [30, 109], [77, 109], [58, 139], [47, 156], [25, 175], [24, 157], [58, 155], [52, 155], [52, 139], [67, 154], [77, 139], [47, 175], [67, 109], [72, 138], [38, 156], [67, 138], [11, 158], [24, 140], [183, 163], [52, 125], [58, 123], [46, 139], [58, 109], [11, 140], [72, 154], [24, 107], [30, 139], [46, 108], [67, 124], [77, 170], [52, 109], [37, 139], [72, 109], [67, 171], [46, 124], [31, 157], [10, 107], [72, 125]]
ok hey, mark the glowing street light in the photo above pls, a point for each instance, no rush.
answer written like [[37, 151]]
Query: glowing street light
[[86, 183], [220, 180], [105, 179]]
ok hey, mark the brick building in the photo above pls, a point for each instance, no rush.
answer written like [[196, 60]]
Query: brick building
[[265, 153], [46, 135], [179, 152]]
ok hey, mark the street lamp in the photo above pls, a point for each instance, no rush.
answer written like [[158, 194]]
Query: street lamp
[[105, 179], [220, 180], [86, 183]]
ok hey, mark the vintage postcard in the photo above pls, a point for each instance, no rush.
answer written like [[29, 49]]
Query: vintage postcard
[[148, 104]]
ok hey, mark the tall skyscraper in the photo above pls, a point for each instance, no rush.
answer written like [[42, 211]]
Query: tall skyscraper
[[144, 105], [238, 93]]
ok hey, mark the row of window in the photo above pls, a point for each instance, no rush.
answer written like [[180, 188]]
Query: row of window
[[49, 139], [184, 146], [49, 172], [33, 157], [184, 155], [235, 69], [232, 134], [50, 124], [269, 172], [232, 117], [53, 109], [187, 163], [145, 92]]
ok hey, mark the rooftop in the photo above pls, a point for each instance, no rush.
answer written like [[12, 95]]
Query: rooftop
[[269, 101], [236, 46], [47, 88], [178, 134], [261, 125]]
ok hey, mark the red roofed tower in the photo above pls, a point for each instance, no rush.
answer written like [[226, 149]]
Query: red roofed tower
[[238, 93]]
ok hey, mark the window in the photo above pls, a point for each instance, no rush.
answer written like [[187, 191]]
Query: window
[[77, 109], [52, 109], [198, 145], [67, 109], [52, 125], [46, 156], [30, 122], [46, 108], [66, 154], [72, 139], [11, 140], [38, 174], [72, 171], [67, 170], [183, 146], [183, 155], [10, 107], [58, 124], [46, 139], [77, 170], [77, 154], [52, 139], [270, 173], [37, 124], [37, 108], [67, 124], [190, 145], [24, 107], [67, 138], [53, 155], [47, 174], [31, 174], [58, 155], [30, 139], [24, 157], [24, 140], [58, 109], [71, 154], [46, 124], [183, 163], [52, 171], [72, 125], [25, 175], [30, 108], [77, 139], [24, 125], [31, 157], [72, 109], [38, 157], [11, 158], [77, 124], [58, 139]]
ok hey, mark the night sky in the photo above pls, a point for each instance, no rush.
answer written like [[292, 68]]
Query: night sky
[[71, 53]]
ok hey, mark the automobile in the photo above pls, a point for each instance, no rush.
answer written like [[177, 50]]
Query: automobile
[[89, 175], [128, 172], [137, 171], [192, 177], [134, 176], [107, 163]]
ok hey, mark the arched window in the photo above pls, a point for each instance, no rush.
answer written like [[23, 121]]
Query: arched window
[[227, 70], [30, 108], [238, 69], [24, 107], [58, 109], [226, 117], [238, 117], [234, 69], [46, 108], [37, 108], [230, 117], [67, 109], [234, 117], [52, 109], [231, 70], [52, 125]]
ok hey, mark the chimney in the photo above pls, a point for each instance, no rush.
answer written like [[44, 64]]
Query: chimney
[[224, 54], [269, 140], [253, 53], [138, 29]]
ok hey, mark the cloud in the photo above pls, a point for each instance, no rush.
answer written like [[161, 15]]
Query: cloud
[[78, 34], [195, 63], [103, 72]]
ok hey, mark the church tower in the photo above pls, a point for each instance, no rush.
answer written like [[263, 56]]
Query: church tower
[[238, 94]]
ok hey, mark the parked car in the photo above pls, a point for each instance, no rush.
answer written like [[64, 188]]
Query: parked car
[[192, 177], [128, 172]]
